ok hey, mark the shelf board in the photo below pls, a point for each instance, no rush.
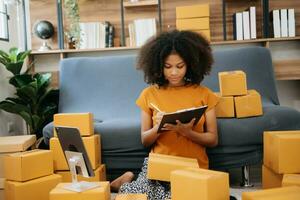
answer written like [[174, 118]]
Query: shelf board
[[262, 40], [140, 3], [62, 51]]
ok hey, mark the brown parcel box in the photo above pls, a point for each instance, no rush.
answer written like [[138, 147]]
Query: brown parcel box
[[232, 83], [28, 165], [193, 11], [160, 166], [193, 24], [100, 193], [36, 189], [248, 105], [12, 144], [270, 179], [225, 106], [83, 121], [193, 183], [2, 188], [131, 196], [283, 193], [291, 179], [281, 151]]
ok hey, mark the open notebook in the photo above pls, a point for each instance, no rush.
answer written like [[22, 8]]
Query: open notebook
[[184, 116]]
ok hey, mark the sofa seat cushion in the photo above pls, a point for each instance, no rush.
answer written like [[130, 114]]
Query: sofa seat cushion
[[249, 131]]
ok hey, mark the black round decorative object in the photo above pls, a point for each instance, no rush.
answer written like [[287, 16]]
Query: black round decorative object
[[44, 30]]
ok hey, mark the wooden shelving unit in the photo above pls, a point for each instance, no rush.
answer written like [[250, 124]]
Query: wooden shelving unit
[[98, 10]]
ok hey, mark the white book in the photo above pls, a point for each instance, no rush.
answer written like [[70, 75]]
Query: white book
[[246, 25], [275, 16], [291, 23], [252, 22], [238, 26], [284, 22]]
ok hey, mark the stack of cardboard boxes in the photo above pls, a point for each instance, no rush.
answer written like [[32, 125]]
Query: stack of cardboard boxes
[[187, 180], [235, 99], [281, 167], [91, 141], [194, 18], [29, 175], [12, 144]]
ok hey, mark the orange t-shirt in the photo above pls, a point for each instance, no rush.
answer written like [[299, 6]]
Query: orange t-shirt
[[171, 99]]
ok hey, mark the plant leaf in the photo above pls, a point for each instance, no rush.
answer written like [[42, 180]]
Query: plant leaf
[[22, 55], [13, 52], [14, 68], [21, 80]]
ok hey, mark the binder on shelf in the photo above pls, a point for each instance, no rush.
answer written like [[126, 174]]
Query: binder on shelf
[[275, 23], [284, 22], [246, 25], [238, 26], [291, 23], [252, 11]]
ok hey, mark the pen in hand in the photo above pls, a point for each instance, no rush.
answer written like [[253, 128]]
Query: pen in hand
[[155, 107]]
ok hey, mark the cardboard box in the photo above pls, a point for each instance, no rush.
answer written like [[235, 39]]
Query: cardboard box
[[193, 24], [28, 165], [83, 121], [225, 106], [2, 194], [291, 179], [270, 179], [281, 151], [249, 105], [131, 197], [160, 166], [232, 83], [194, 11], [100, 175], [205, 33], [91, 144], [199, 184], [36, 189], [12, 144], [100, 193], [284, 193], [2, 156]]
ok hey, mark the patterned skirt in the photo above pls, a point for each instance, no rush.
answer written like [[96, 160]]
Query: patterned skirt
[[155, 190]]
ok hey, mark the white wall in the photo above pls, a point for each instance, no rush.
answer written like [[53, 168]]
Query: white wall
[[10, 124]]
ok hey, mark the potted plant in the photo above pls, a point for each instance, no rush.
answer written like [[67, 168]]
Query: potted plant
[[72, 17], [34, 100]]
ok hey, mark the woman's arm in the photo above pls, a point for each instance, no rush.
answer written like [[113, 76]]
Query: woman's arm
[[148, 133], [208, 138]]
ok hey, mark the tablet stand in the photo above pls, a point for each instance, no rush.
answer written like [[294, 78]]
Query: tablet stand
[[75, 159]]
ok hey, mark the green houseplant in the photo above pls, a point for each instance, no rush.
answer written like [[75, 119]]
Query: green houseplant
[[34, 100], [73, 28]]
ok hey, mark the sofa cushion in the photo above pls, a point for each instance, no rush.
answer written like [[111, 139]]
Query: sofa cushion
[[249, 131]]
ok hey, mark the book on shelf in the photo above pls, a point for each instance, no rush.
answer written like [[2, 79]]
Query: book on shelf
[[238, 26], [283, 23], [275, 24], [141, 30], [246, 25], [184, 116], [96, 35], [252, 12], [291, 23]]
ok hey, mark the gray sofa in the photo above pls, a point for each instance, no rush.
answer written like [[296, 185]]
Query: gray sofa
[[108, 87]]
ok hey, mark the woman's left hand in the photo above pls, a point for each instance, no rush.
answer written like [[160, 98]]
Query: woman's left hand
[[181, 128]]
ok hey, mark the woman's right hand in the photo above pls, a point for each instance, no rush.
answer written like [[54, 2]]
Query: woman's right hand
[[158, 117]]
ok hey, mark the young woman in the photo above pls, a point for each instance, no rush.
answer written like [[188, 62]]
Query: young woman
[[174, 64]]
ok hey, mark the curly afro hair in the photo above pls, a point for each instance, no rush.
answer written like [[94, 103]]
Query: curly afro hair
[[192, 47]]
